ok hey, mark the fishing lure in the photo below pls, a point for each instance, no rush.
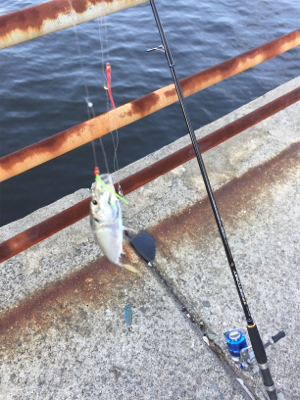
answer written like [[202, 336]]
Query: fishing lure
[[106, 219], [108, 88], [128, 314]]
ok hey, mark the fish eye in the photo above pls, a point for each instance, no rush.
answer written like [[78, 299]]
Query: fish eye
[[95, 202]]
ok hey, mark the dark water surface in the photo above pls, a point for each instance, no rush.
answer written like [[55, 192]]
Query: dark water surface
[[42, 89]]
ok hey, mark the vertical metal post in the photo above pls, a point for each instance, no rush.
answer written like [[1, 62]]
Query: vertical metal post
[[253, 332]]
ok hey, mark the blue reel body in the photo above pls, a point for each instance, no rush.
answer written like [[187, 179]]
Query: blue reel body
[[236, 341]]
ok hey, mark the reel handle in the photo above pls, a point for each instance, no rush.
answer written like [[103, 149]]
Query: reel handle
[[278, 336]]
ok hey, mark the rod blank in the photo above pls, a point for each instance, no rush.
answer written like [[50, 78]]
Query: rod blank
[[254, 335]]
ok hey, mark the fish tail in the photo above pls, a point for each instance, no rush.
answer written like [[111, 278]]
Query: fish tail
[[130, 268]]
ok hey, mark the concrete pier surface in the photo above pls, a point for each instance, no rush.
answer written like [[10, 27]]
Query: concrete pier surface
[[62, 328]]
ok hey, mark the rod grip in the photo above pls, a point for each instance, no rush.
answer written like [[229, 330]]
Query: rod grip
[[278, 336], [261, 358], [257, 344]]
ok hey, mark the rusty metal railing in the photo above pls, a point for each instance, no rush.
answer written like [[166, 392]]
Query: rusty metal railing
[[57, 14], [69, 139]]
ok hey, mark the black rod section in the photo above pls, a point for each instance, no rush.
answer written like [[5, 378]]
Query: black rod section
[[254, 335]]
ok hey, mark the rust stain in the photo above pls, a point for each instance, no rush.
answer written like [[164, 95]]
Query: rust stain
[[239, 63], [126, 114], [32, 18], [96, 284], [218, 72], [143, 105], [171, 92], [50, 145], [198, 221]]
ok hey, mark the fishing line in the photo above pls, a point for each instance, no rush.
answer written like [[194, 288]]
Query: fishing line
[[103, 48], [91, 113], [90, 106], [110, 104], [102, 26], [104, 61]]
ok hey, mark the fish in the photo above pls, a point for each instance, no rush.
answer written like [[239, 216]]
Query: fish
[[106, 220]]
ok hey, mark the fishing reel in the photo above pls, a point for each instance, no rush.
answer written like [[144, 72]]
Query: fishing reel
[[240, 352]]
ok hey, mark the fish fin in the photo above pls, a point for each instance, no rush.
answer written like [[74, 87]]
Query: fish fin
[[130, 268]]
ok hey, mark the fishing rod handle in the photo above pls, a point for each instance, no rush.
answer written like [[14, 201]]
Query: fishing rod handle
[[261, 358]]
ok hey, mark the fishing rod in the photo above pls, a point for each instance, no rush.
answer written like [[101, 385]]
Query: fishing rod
[[255, 338]]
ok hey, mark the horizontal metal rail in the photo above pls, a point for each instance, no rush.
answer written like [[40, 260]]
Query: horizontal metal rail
[[69, 139], [39, 20], [41, 231]]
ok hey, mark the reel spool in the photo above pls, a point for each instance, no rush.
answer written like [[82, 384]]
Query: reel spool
[[236, 341]]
